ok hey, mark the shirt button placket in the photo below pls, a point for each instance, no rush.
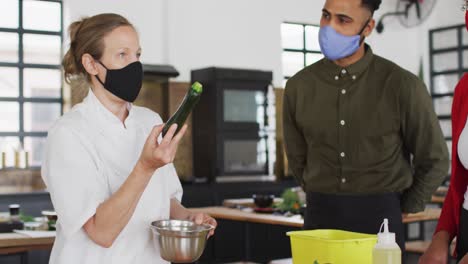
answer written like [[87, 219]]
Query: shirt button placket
[[342, 124]]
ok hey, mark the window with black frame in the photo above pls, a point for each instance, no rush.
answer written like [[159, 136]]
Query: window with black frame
[[31, 94], [448, 53], [300, 47]]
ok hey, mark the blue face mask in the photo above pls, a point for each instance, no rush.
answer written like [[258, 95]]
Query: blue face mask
[[336, 46]]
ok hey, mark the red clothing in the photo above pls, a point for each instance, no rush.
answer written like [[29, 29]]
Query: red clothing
[[450, 218]]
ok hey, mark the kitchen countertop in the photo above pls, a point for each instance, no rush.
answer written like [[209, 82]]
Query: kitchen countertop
[[430, 214], [14, 239], [16, 243], [244, 216], [11, 243]]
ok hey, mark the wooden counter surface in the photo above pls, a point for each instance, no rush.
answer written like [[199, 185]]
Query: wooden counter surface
[[11, 243], [14, 243], [431, 214], [243, 216]]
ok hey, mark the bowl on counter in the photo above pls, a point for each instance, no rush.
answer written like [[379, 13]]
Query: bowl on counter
[[263, 200], [36, 226], [180, 241]]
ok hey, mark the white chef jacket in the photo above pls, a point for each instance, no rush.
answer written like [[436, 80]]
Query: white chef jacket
[[463, 156], [88, 155]]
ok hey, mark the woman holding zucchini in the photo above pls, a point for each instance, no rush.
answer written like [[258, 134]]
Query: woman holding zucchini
[[108, 166]]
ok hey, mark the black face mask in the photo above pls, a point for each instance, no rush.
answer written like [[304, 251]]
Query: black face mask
[[124, 83]]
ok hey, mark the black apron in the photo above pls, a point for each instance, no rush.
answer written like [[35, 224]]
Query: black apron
[[462, 239], [355, 213]]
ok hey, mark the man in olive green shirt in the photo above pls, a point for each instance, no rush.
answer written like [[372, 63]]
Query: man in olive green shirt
[[361, 135]]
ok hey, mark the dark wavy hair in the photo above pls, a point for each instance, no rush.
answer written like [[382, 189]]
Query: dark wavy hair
[[372, 5]]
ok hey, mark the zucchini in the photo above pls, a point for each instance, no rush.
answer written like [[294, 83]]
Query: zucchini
[[190, 100]]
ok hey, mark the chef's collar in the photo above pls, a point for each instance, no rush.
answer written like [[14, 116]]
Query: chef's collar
[[104, 116]]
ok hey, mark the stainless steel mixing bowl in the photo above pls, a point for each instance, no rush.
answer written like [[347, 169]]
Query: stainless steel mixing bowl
[[180, 241]]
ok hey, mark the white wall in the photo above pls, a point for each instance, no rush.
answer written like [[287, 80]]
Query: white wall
[[241, 33], [148, 16], [191, 34], [406, 46]]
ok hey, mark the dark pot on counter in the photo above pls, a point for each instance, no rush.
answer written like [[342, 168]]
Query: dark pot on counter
[[263, 200]]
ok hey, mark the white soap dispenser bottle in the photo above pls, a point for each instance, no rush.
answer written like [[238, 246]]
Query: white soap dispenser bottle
[[386, 251]]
